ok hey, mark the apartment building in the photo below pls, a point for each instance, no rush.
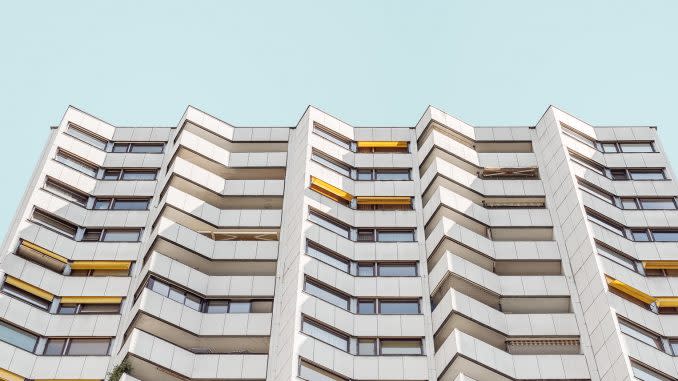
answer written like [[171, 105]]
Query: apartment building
[[328, 252]]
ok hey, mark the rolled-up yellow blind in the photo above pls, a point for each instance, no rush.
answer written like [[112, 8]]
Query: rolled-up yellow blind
[[29, 288], [660, 265], [100, 265], [329, 190], [9, 376], [384, 200], [91, 300], [630, 291], [42, 250], [382, 144], [667, 301]]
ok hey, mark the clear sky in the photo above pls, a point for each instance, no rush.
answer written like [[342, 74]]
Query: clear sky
[[376, 62]]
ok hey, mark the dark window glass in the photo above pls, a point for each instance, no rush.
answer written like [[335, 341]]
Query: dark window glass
[[367, 347], [100, 309], [92, 235], [397, 270], [365, 269], [395, 236], [619, 174], [55, 223], [88, 347], [665, 235], [120, 147], [102, 204], [121, 204], [400, 347], [398, 307], [365, 235], [261, 306], [55, 347], [68, 309], [17, 337], [649, 174], [121, 235], [140, 175], [217, 307], [658, 203], [111, 174], [367, 307], [146, 148], [392, 174]]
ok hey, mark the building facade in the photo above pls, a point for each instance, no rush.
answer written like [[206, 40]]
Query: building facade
[[327, 252]]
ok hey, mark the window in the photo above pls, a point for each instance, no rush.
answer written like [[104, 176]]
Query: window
[[330, 296], [398, 307], [657, 203], [76, 163], [138, 147], [645, 147], [640, 334], [102, 203], [217, 307], [112, 174], [55, 223], [329, 223], [130, 174], [579, 136], [25, 297], [619, 174], [665, 235], [17, 337], [77, 347], [67, 192], [609, 147], [75, 309], [367, 307], [339, 167], [604, 223], [640, 235], [112, 235], [674, 347], [310, 372], [332, 136], [400, 347], [616, 257], [629, 203], [395, 235], [365, 174], [86, 136], [121, 204], [644, 373], [365, 235], [595, 191], [587, 163], [647, 174], [365, 269], [397, 269], [238, 307], [367, 347], [391, 174], [326, 256], [324, 334]]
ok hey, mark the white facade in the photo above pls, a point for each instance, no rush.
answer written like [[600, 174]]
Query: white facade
[[331, 252]]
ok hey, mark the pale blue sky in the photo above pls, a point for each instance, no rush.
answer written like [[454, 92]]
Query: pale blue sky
[[366, 62]]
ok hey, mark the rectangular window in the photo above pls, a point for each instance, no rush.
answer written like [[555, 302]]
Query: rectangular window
[[640, 235], [629, 203], [113, 235], [17, 337], [55, 347], [658, 203], [367, 307], [329, 224], [88, 347], [595, 191], [67, 192], [341, 168], [138, 174], [587, 163], [87, 136], [640, 334], [579, 136], [398, 307], [392, 174], [647, 174], [76, 163], [395, 235], [237, 307], [130, 204], [365, 235], [332, 136], [609, 147], [400, 347], [330, 296], [92, 235], [397, 269], [26, 297], [138, 147], [325, 334], [645, 147], [324, 255], [365, 174], [112, 174], [55, 223], [644, 373], [99, 308], [619, 174], [616, 257], [217, 307], [665, 235], [607, 225], [367, 347], [365, 269], [311, 372]]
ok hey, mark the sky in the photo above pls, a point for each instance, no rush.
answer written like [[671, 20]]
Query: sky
[[369, 63]]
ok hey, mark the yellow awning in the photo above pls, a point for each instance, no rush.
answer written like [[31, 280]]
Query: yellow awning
[[9, 376], [384, 200], [378, 144], [630, 291], [660, 265], [667, 301], [91, 300], [39, 292], [100, 265], [329, 190], [44, 251]]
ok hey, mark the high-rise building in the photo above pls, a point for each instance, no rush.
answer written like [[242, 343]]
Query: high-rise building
[[328, 252]]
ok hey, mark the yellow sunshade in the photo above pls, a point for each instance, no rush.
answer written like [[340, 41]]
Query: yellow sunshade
[[630, 291], [44, 251], [329, 190], [667, 301], [660, 265], [384, 200], [91, 300], [100, 265], [39, 292], [9, 376], [378, 144]]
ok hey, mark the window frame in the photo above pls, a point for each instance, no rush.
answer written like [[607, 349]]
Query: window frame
[[86, 136]]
